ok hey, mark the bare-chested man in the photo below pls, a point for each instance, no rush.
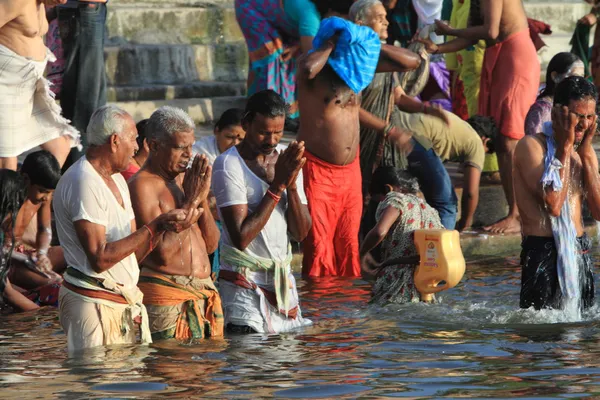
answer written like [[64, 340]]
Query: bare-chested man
[[555, 262], [510, 79], [179, 293], [329, 126], [29, 116]]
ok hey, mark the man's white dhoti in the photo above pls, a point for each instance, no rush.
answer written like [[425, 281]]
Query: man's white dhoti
[[29, 115]]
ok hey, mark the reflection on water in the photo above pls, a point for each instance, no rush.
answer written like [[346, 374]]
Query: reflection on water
[[476, 343]]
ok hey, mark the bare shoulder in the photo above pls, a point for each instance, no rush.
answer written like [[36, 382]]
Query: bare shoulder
[[530, 150], [145, 186]]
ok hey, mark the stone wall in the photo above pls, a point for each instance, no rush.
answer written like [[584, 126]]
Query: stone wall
[[193, 54]]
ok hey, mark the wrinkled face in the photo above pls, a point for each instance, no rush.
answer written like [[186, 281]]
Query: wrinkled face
[[175, 152], [263, 133], [377, 21], [229, 136], [126, 144], [38, 194], [585, 110]]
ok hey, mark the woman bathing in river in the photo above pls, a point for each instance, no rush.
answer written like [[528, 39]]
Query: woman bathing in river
[[399, 214]]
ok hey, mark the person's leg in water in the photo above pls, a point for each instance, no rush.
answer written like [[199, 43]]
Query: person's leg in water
[[539, 278], [586, 271], [435, 183], [505, 149]]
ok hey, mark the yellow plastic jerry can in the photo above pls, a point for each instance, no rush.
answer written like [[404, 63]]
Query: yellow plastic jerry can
[[442, 263]]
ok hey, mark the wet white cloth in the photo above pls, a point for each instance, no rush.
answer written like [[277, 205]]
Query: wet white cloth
[[29, 115], [563, 228], [427, 12], [235, 184], [82, 194], [207, 146], [90, 322]]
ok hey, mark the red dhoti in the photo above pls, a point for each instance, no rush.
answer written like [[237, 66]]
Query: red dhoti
[[335, 203], [510, 79]]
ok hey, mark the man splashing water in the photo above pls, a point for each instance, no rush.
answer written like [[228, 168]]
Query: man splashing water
[[554, 172]]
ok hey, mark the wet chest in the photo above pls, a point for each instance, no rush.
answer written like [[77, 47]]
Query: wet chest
[[264, 169]]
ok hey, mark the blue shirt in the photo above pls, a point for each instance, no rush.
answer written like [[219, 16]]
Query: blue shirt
[[304, 16]]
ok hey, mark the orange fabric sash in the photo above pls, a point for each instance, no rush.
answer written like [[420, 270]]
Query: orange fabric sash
[[160, 291]]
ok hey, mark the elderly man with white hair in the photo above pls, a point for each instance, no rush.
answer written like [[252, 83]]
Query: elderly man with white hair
[[179, 293], [100, 303], [382, 141]]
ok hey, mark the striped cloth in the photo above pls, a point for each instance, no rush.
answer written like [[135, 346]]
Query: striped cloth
[[29, 116], [356, 52], [268, 32], [563, 228]]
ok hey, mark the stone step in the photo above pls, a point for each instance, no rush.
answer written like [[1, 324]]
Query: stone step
[[202, 110], [152, 24], [171, 92], [175, 64], [555, 43], [561, 15]]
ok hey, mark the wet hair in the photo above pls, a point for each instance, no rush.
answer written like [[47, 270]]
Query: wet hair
[[485, 127], [166, 122], [395, 177], [338, 6], [231, 117], [266, 103], [141, 130], [42, 169], [560, 64], [574, 88], [12, 194]]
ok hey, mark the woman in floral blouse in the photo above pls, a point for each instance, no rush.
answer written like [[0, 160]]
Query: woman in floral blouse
[[399, 214]]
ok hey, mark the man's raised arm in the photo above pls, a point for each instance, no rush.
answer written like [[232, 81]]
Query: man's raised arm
[[397, 59]]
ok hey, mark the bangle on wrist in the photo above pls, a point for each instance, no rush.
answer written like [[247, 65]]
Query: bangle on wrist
[[151, 237], [273, 196], [42, 252]]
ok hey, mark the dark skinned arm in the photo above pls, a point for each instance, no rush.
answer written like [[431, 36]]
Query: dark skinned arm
[[563, 124], [492, 13], [17, 299], [44, 229], [397, 59], [399, 137], [380, 231], [209, 229], [591, 178], [470, 196], [242, 227], [297, 216], [103, 255], [311, 64]]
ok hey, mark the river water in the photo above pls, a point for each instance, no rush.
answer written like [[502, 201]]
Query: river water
[[475, 344]]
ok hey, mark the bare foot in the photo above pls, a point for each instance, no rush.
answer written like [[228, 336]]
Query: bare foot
[[509, 224]]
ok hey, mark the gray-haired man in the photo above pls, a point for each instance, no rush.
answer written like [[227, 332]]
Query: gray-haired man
[[180, 295], [100, 303]]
